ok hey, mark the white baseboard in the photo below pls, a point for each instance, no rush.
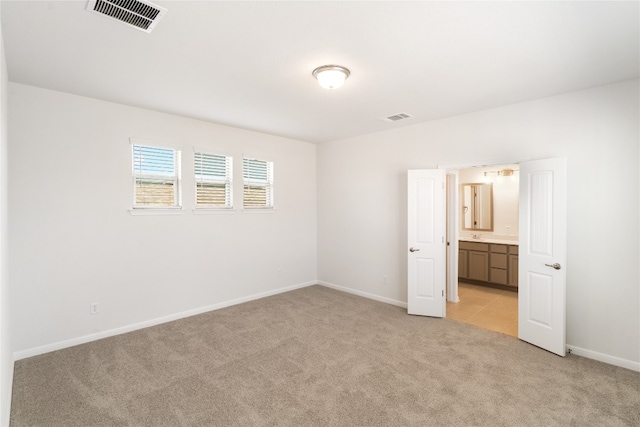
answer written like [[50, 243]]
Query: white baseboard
[[601, 357], [364, 294], [23, 354]]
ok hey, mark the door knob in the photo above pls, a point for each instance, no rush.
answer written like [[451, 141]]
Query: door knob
[[556, 266], [413, 250]]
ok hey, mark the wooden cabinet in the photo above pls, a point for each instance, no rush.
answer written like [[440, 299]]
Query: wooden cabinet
[[513, 266], [488, 263], [478, 266], [498, 256], [462, 264], [475, 256]]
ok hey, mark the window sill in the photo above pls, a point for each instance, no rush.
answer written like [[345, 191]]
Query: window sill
[[213, 211], [258, 210], [156, 211]]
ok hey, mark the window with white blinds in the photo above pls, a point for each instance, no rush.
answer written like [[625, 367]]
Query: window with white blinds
[[214, 173], [156, 177], [257, 178]]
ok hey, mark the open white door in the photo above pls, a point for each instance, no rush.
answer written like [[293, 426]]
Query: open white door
[[542, 254], [426, 246]]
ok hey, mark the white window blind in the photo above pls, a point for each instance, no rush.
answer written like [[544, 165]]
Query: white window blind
[[156, 177], [258, 183], [214, 174]]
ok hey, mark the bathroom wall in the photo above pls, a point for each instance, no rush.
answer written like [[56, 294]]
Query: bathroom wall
[[505, 201]]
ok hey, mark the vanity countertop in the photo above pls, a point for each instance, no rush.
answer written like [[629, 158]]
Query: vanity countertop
[[489, 240]]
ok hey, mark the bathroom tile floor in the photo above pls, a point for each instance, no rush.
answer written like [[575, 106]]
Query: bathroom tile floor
[[486, 307]]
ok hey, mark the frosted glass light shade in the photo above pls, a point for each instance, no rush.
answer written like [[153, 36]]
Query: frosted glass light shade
[[331, 76]]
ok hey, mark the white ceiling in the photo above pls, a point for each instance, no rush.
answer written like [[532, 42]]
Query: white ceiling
[[249, 64]]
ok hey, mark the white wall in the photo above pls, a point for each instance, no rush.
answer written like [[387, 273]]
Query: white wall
[[505, 201], [362, 201], [6, 349], [73, 241]]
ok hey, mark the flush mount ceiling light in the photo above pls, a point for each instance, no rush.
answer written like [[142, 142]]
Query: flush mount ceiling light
[[331, 76]]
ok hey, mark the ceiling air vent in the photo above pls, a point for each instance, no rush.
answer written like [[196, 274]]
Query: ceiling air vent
[[140, 14], [396, 117]]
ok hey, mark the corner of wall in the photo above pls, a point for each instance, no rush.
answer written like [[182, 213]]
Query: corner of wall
[[6, 356]]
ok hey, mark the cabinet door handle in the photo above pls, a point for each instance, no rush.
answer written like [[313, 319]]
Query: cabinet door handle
[[413, 250], [556, 266]]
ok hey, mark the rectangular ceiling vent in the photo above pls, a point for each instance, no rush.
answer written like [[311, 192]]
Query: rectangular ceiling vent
[[396, 117], [140, 14]]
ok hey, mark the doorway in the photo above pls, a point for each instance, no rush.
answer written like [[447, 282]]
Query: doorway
[[482, 229], [541, 264]]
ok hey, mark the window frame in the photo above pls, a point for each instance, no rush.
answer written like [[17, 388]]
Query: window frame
[[175, 178], [268, 185], [227, 181]]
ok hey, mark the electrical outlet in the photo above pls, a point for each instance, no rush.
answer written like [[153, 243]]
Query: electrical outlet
[[94, 308], [385, 280]]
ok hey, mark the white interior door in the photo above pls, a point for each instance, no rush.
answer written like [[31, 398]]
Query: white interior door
[[426, 243], [542, 254]]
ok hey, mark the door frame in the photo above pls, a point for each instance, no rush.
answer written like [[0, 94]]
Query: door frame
[[451, 232]]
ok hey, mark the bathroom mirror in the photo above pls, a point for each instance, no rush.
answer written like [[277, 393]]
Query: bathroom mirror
[[477, 206]]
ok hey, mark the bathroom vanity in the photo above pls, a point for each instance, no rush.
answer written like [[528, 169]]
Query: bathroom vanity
[[487, 262]]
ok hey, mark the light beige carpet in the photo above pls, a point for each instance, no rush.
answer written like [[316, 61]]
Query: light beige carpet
[[318, 357]]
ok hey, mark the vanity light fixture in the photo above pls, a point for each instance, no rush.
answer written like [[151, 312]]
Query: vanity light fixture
[[503, 172], [331, 76]]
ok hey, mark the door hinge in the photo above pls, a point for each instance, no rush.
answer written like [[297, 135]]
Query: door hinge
[[443, 293]]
